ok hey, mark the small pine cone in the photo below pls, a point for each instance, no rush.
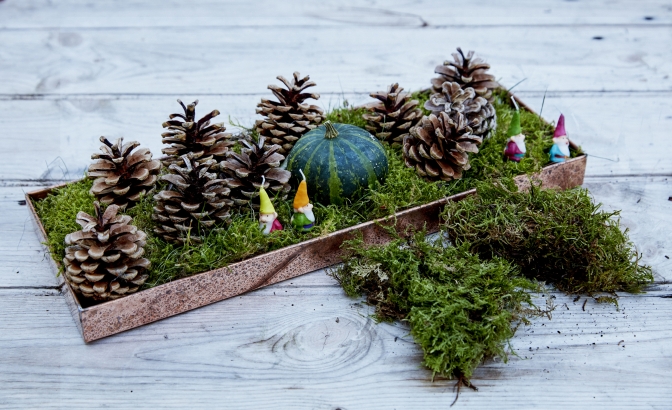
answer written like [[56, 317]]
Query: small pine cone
[[393, 115], [256, 163], [467, 72], [481, 115], [199, 139], [104, 260], [122, 173], [438, 147], [288, 118], [194, 202]]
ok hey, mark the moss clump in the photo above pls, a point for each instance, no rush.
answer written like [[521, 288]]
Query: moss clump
[[560, 237], [460, 309], [461, 302], [58, 212], [346, 114]]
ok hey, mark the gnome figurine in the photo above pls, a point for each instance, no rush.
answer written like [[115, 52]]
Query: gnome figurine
[[268, 218], [515, 147], [560, 149], [303, 219]]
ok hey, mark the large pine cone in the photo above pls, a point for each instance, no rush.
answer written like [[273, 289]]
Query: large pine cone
[[438, 147], [121, 174], [481, 115], [467, 72], [199, 139], [288, 118], [104, 260], [245, 172], [393, 115], [194, 202]]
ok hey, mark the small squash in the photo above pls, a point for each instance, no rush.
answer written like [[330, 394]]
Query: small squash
[[340, 162]]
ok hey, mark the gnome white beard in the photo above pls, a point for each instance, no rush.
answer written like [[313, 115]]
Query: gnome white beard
[[309, 214], [266, 221], [267, 226], [520, 142], [564, 147]]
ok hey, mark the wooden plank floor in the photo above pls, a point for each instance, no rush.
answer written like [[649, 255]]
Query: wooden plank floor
[[70, 72]]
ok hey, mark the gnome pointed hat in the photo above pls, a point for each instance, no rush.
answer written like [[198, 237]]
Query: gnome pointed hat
[[514, 127], [560, 128], [265, 204], [301, 198]]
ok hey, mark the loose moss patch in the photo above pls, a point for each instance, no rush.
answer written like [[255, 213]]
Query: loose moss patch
[[460, 309], [559, 237], [402, 189]]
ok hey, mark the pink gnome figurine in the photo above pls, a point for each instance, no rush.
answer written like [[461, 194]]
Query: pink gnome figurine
[[515, 147], [560, 149]]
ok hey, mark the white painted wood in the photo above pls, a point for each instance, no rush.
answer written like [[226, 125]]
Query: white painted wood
[[58, 137], [283, 347], [244, 60], [175, 14]]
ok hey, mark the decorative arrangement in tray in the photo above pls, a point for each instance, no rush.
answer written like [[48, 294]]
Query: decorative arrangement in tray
[[301, 174]]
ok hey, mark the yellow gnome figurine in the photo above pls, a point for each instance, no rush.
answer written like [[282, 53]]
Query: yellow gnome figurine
[[303, 219], [268, 218]]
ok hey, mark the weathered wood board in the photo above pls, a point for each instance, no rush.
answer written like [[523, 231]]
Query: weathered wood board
[[305, 345], [39, 14], [243, 60]]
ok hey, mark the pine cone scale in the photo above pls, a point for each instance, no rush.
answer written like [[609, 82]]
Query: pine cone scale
[[392, 115], [93, 261], [196, 201], [467, 71], [290, 117], [258, 162]]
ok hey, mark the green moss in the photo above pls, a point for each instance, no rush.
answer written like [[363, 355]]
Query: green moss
[[422, 97], [346, 114], [460, 309], [58, 212], [559, 237]]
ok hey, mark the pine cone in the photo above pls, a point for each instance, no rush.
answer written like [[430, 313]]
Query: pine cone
[[104, 260], [467, 72], [194, 202], [199, 139], [121, 174], [438, 147], [288, 119], [481, 115], [244, 172], [393, 115]]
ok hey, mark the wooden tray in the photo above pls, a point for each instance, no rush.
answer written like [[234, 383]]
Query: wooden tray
[[147, 306], [182, 295]]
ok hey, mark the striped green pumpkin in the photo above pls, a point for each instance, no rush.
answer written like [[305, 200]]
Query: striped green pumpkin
[[339, 160]]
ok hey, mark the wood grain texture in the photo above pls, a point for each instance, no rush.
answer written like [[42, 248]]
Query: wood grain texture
[[175, 14], [295, 346], [241, 60]]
